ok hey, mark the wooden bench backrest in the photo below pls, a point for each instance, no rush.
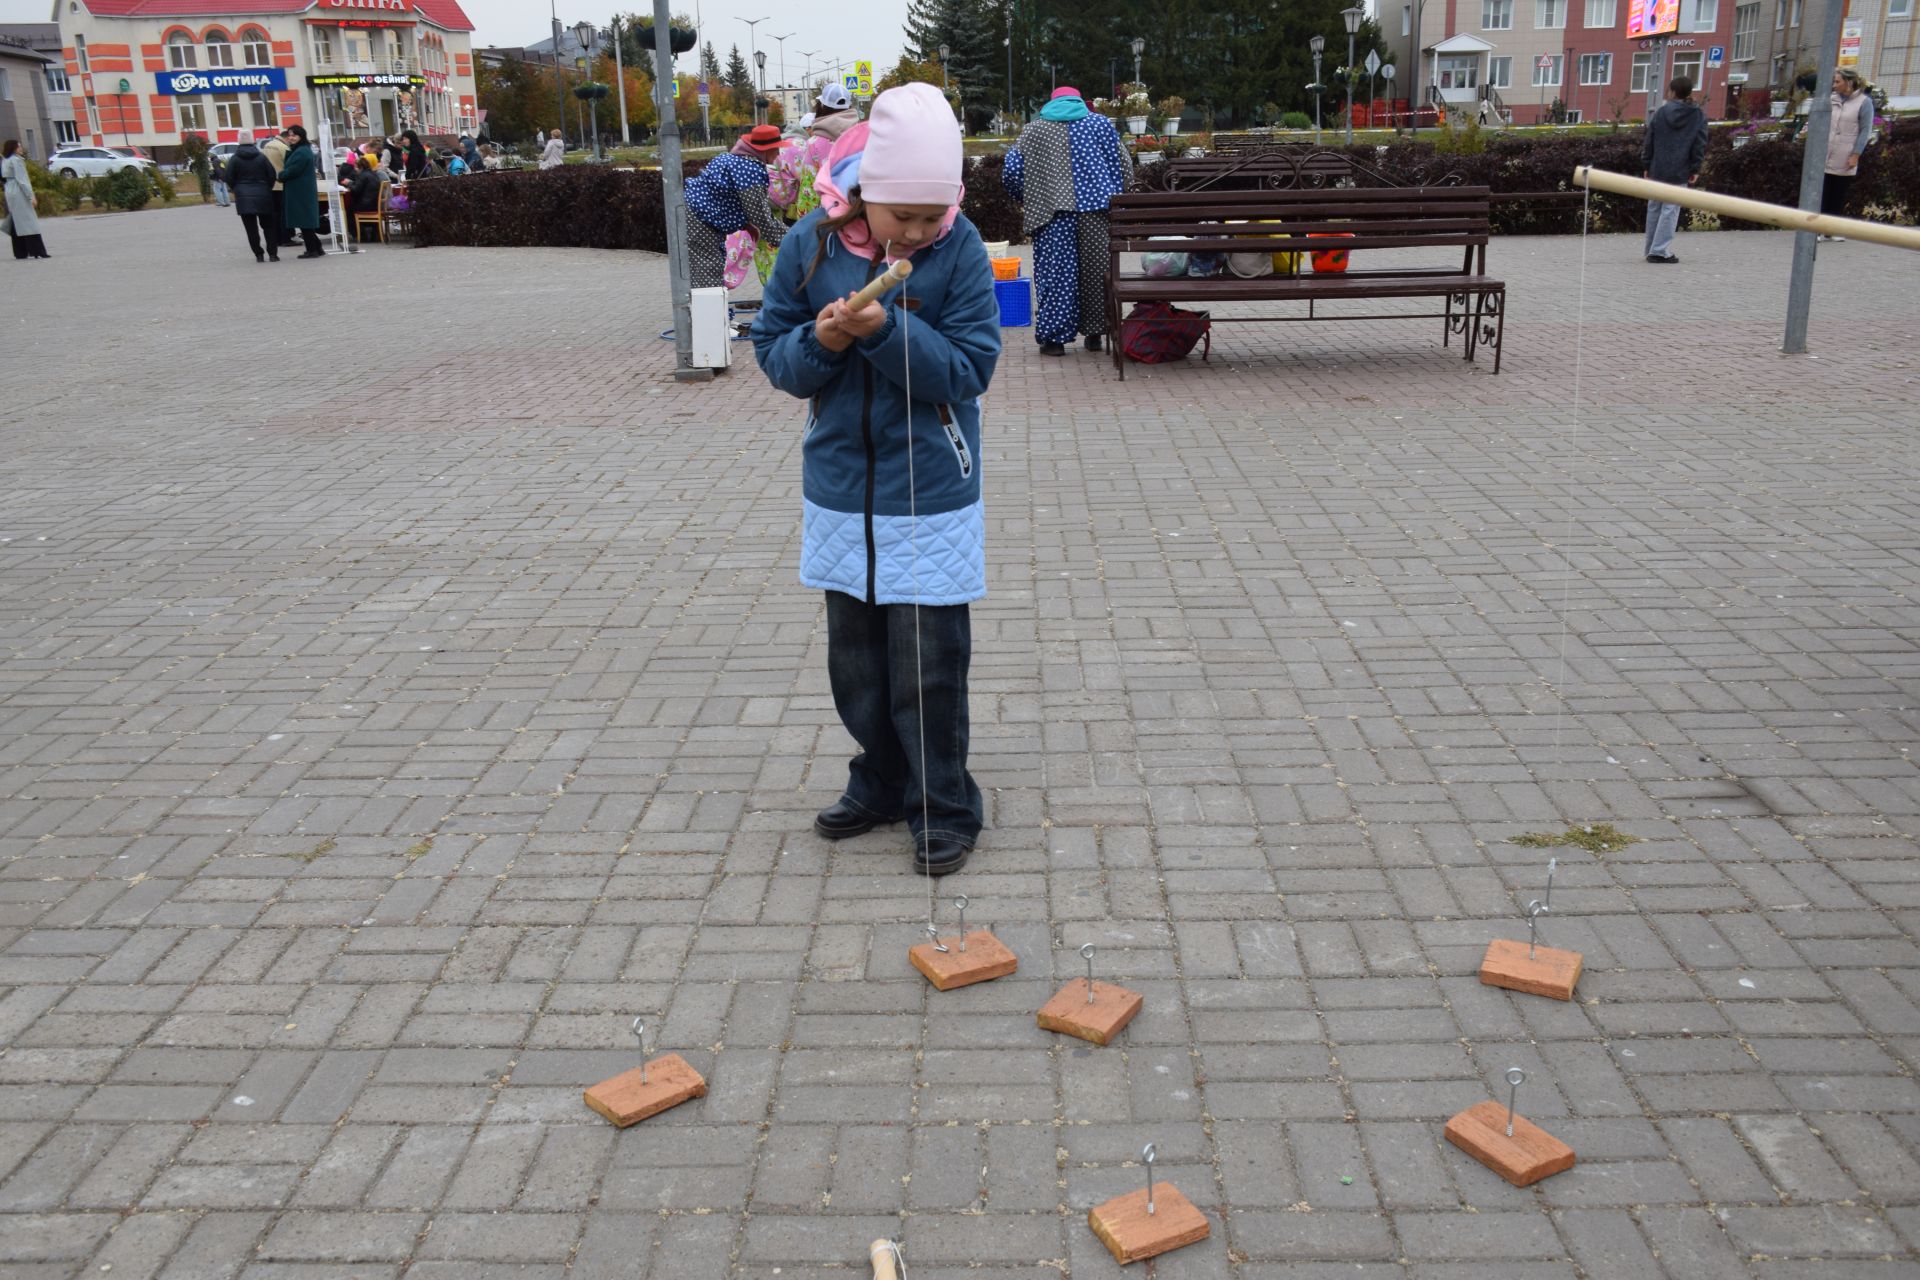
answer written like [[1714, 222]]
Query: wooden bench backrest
[[1374, 218]]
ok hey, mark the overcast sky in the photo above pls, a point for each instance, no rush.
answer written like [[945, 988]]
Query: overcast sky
[[841, 30]]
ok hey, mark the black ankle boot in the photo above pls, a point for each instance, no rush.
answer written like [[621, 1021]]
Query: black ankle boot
[[839, 820], [939, 855]]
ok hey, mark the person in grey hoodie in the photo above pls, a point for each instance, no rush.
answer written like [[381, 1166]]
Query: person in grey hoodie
[[1675, 146]]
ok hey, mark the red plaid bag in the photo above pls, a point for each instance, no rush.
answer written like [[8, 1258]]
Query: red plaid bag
[[1156, 332]]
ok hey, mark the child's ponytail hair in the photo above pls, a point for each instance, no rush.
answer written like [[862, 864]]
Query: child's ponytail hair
[[830, 227]]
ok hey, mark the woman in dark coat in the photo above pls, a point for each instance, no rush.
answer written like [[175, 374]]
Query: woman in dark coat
[[417, 161], [363, 193], [251, 176], [302, 187]]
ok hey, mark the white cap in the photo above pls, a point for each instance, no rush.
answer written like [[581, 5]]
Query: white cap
[[835, 97]]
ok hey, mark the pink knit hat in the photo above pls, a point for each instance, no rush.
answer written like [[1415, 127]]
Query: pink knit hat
[[913, 153], [1066, 91]]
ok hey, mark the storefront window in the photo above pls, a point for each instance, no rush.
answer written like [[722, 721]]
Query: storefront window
[[266, 112], [193, 114], [226, 109]]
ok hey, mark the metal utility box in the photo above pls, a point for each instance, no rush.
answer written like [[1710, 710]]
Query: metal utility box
[[712, 336]]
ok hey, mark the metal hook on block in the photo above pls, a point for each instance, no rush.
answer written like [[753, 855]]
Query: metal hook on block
[[1086, 953], [960, 905], [639, 1030], [1547, 901], [1535, 910], [1146, 1158], [1515, 1078], [933, 935]]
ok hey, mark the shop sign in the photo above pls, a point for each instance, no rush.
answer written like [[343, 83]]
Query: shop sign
[[1850, 35], [378, 6], [221, 80], [367, 80]]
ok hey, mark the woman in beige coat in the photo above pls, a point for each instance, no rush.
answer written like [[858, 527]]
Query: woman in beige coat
[[1848, 132]]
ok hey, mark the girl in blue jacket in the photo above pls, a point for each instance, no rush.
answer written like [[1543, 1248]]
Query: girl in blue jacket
[[893, 527]]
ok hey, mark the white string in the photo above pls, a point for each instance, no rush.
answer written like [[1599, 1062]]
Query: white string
[[913, 523], [1573, 440]]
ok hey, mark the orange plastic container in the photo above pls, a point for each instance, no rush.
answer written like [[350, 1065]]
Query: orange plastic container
[[1006, 268]]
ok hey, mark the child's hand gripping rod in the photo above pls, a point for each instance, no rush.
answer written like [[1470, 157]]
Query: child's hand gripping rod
[[893, 275]]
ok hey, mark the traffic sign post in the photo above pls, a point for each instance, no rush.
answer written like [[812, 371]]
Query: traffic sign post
[[1716, 55]]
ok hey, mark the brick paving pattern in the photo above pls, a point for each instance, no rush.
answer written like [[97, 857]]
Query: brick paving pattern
[[405, 685]]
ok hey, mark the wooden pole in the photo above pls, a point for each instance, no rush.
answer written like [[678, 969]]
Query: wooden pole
[[1773, 215], [892, 276]]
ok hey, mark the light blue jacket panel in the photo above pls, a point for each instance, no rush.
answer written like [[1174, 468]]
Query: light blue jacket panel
[[893, 510]]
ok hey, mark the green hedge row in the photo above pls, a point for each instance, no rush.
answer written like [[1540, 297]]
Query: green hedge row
[[595, 207]]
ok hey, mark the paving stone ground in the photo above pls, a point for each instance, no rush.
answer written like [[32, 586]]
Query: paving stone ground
[[406, 684]]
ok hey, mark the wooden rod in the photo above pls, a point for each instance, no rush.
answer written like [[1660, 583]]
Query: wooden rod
[[892, 276], [880, 1252], [1773, 215]]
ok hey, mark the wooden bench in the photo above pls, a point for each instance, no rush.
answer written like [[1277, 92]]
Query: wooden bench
[[1373, 219]]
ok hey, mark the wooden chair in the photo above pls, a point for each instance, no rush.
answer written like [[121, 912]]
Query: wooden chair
[[378, 218], [395, 221]]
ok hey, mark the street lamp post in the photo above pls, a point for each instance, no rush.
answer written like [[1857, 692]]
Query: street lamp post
[[620, 80], [753, 48], [1354, 17], [760, 93], [1319, 46], [1009, 43], [559, 80], [1139, 47], [782, 83], [584, 32]]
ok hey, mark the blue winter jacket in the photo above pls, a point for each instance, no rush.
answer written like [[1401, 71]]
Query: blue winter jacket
[[859, 532]]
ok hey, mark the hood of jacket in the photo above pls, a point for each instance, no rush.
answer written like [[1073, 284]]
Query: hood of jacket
[[1679, 113], [834, 123]]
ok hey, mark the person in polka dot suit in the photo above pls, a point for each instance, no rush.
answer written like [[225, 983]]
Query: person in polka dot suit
[[1067, 165], [730, 195]]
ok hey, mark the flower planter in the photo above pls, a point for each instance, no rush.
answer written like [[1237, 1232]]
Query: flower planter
[[1136, 125], [1173, 128]]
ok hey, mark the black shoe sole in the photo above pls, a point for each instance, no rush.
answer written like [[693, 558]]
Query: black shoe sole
[[921, 868], [843, 833]]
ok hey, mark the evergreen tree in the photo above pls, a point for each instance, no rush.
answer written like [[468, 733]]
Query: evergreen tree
[[970, 30], [709, 63], [739, 81]]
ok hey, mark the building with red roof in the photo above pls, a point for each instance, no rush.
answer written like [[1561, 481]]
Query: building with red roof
[[145, 73]]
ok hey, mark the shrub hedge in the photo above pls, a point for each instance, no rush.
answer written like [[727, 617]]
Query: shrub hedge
[[596, 207]]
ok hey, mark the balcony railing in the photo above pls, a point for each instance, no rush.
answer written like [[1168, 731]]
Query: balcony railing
[[340, 64]]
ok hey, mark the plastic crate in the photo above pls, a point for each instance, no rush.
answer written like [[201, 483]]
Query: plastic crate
[[1016, 303]]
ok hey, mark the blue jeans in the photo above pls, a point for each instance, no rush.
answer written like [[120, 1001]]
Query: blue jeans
[[1663, 220], [220, 193], [871, 665]]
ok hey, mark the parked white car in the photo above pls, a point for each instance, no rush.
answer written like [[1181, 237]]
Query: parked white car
[[93, 162]]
